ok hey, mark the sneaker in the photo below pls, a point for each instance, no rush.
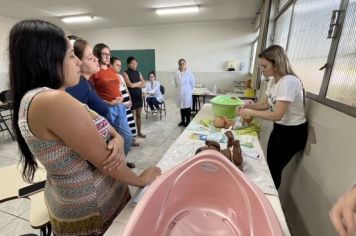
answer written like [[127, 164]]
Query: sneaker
[[181, 123]]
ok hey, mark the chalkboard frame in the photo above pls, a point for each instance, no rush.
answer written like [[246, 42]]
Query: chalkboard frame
[[146, 59]]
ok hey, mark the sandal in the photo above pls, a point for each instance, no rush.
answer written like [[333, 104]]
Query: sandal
[[135, 144], [141, 135], [130, 165]]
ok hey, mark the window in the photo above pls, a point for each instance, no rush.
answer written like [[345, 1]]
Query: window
[[282, 28], [282, 3], [342, 84], [308, 46], [309, 49], [253, 56]]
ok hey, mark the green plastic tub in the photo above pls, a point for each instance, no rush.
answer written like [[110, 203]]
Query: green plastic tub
[[224, 105]]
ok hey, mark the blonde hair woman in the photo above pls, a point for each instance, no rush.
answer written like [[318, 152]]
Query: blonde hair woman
[[284, 105]]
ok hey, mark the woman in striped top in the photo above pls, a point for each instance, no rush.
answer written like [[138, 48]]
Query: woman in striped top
[[115, 63]]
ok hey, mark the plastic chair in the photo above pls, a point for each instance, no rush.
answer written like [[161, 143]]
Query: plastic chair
[[162, 105]]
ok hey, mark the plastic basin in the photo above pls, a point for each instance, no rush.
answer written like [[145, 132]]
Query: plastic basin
[[224, 105]]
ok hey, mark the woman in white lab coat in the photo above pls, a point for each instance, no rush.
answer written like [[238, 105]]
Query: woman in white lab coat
[[152, 92], [185, 83]]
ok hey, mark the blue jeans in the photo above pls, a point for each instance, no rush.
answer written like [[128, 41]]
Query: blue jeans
[[117, 118]]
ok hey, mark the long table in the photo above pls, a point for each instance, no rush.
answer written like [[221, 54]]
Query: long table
[[255, 166]]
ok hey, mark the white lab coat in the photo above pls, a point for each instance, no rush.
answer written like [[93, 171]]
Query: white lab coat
[[153, 90], [185, 83]]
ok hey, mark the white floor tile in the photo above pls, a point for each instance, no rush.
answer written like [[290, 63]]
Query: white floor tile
[[18, 227], [5, 219], [16, 207]]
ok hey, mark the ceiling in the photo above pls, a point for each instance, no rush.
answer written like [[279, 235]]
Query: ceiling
[[126, 13]]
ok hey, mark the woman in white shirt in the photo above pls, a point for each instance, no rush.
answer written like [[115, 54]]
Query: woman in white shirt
[[153, 92], [284, 105], [185, 82]]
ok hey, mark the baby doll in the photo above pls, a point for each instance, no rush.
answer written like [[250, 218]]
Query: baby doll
[[232, 152]]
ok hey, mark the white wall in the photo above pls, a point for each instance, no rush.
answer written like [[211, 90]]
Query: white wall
[[206, 46], [326, 169], [5, 27], [6, 24]]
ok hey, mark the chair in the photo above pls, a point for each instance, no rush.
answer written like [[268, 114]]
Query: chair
[[162, 105], [6, 104], [4, 126], [6, 111], [18, 188]]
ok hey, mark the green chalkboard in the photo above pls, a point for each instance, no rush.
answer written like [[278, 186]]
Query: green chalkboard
[[145, 60]]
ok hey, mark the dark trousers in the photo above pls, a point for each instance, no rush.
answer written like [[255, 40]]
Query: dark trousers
[[185, 114], [284, 142], [152, 102]]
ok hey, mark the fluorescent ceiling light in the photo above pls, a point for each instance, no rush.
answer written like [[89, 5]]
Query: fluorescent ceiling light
[[177, 10], [78, 18]]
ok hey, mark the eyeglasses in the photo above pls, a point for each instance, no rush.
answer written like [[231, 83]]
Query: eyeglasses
[[106, 54]]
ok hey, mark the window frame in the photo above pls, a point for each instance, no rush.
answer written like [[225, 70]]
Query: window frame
[[321, 96]]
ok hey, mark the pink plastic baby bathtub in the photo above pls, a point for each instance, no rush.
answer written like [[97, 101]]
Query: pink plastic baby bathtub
[[204, 196]]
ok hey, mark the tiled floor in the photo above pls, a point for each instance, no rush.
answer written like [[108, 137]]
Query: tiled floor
[[14, 215]]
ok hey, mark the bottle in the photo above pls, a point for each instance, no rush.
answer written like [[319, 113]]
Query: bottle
[[215, 89], [249, 92]]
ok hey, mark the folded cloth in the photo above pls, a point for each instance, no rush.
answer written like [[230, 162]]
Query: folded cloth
[[251, 129]]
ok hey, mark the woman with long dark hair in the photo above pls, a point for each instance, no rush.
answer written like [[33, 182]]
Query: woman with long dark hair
[[68, 139]]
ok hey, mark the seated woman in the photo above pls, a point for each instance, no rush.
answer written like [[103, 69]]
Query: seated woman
[[152, 92], [68, 139]]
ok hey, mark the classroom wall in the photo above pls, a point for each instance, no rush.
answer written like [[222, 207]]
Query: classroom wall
[[206, 46], [5, 27], [6, 24], [314, 180]]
